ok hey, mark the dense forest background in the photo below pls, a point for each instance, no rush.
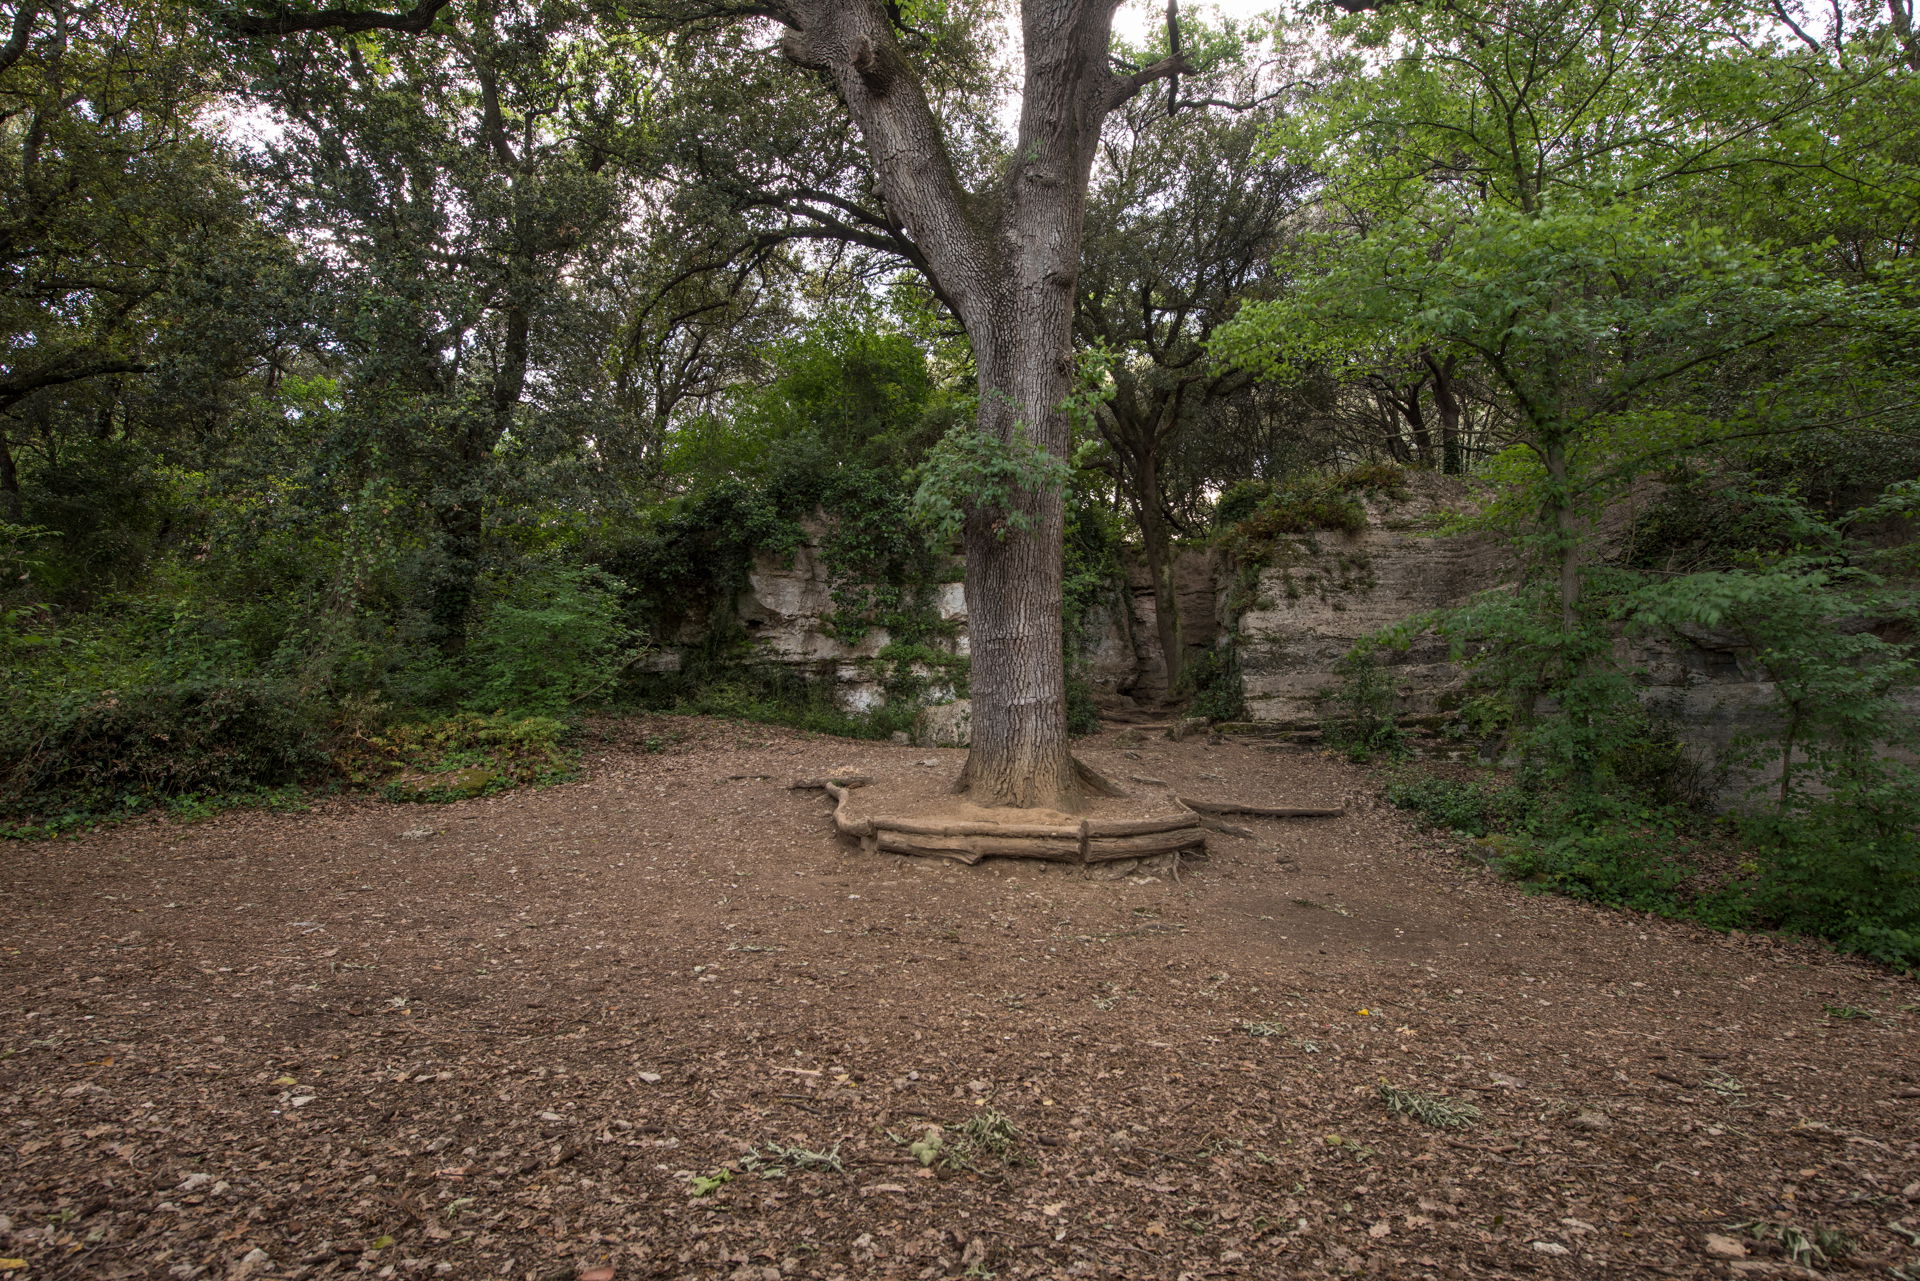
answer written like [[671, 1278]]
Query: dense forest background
[[374, 404]]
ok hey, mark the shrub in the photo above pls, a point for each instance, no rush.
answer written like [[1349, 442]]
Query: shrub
[[1476, 809], [1309, 502], [776, 696], [1239, 501], [116, 750], [1609, 859], [1359, 712], [1082, 716], [1214, 681], [551, 639], [1847, 866], [417, 760], [1375, 478]]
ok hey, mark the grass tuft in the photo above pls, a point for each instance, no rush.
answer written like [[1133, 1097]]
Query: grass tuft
[[1428, 1109]]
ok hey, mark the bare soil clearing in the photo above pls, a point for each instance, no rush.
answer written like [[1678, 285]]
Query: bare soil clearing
[[503, 1038]]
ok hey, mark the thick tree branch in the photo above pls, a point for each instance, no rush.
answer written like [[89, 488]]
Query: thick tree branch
[[16, 44], [283, 21], [856, 47], [15, 390], [1124, 87]]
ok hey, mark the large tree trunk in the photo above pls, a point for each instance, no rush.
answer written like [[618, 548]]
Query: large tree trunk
[[1019, 754], [1007, 260]]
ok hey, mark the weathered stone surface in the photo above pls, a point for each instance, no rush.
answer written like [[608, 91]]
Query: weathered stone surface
[[945, 725], [786, 609], [786, 606], [788, 603], [1197, 596], [1300, 616], [1110, 661], [1327, 590]]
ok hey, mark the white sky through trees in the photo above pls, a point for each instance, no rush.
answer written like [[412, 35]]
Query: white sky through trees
[[1136, 17]]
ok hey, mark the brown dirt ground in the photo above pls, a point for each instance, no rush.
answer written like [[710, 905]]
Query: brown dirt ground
[[496, 1038]]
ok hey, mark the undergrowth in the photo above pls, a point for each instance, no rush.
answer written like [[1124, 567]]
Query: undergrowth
[[1836, 873]]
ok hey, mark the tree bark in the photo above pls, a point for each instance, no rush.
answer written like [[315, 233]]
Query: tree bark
[[1447, 405], [1134, 423], [1156, 544], [1007, 260], [11, 508], [1565, 539]]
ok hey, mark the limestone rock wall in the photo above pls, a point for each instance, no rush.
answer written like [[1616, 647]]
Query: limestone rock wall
[[1322, 592], [1290, 621], [785, 610], [1294, 619], [788, 601]]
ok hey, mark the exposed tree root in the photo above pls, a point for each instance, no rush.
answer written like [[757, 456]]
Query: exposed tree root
[[1262, 811], [1086, 842], [1083, 781], [1089, 841], [1095, 783]]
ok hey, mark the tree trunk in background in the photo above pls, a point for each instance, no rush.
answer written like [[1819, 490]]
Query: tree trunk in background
[[1416, 416], [1134, 422], [1156, 545], [10, 506], [1447, 405]]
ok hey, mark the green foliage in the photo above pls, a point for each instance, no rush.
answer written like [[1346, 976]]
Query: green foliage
[[777, 696], [1469, 807], [693, 552], [549, 640], [1359, 715], [113, 750], [882, 570], [1253, 516], [1083, 714], [1847, 866], [1708, 522], [1240, 500], [970, 473], [458, 756], [1213, 682], [1614, 853], [849, 387], [1092, 569], [1614, 849]]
